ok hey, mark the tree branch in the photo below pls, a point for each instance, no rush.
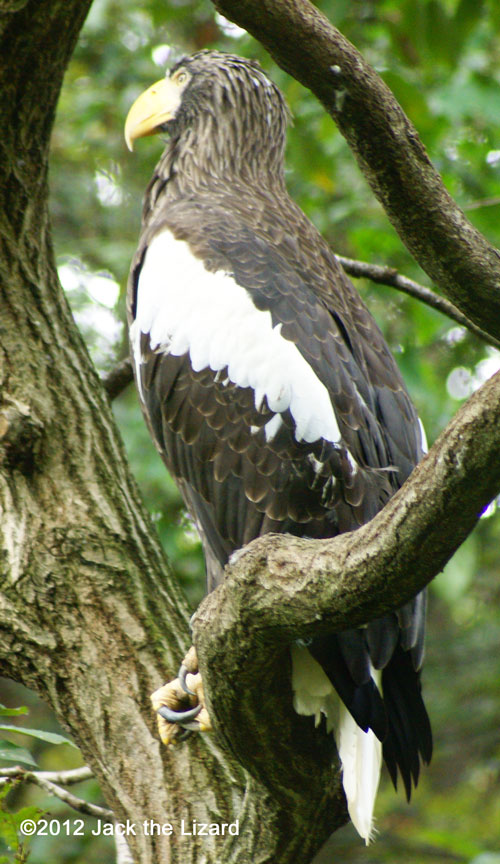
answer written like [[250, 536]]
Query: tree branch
[[281, 588], [451, 251], [118, 378], [50, 782], [67, 778], [389, 276]]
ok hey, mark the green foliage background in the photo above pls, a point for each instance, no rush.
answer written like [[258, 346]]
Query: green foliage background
[[441, 59]]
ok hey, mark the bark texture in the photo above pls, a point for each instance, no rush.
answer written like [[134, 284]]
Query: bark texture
[[389, 151], [89, 614]]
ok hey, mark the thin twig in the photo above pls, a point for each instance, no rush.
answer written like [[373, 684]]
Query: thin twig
[[74, 775], [482, 202], [46, 780], [50, 780], [76, 803], [389, 276]]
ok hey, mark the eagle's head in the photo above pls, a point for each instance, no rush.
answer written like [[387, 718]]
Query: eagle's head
[[218, 106]]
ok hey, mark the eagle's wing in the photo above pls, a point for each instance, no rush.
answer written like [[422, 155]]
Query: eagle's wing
[[277, 406]]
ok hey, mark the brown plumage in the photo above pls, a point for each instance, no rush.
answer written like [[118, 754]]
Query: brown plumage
[[243, 462]]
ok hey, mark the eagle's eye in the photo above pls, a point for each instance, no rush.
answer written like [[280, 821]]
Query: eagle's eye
[[180, 77]]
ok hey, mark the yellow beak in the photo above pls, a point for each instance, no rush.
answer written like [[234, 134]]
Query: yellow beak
[[151, 109]]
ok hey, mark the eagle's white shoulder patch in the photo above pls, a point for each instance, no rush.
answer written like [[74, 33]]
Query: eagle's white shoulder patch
[[185, 308]]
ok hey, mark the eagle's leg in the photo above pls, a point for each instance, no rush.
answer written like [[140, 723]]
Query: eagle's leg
[[180, 704]]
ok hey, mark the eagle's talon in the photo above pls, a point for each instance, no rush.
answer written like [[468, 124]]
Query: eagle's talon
[[175, 720], [183, 671], [179, 717]]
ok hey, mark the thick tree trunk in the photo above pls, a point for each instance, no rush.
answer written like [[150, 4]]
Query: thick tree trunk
[[89, 614], [90, 617]]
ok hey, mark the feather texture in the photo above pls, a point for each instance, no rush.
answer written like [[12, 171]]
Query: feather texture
[[360, 752], [273, 397], [183, 308]]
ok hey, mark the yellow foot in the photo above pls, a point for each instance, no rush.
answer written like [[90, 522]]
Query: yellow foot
[[180, 704]]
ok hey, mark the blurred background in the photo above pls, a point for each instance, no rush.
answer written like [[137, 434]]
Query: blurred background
[[441, 58]]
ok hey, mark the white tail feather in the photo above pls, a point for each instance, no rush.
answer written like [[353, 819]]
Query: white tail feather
[[360, 752], [361, 757], [313, 692]]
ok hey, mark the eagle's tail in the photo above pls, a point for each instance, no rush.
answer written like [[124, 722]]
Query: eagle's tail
[[360, 752], [361, 757]]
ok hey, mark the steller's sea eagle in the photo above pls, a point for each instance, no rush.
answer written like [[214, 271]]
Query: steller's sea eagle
[[270, 391]]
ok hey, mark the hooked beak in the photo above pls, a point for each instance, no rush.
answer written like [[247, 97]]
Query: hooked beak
[[152, 109]]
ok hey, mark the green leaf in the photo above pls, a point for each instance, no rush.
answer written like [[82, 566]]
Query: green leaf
[[51, 737], [8, 831], [10, 824], [12, 712], [29, 812], [10, 752]]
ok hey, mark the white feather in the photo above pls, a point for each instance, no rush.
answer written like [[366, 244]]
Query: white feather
[[360, 752], [423, 436], [361, 757], [272, 427], [313, 692], [184, 307]]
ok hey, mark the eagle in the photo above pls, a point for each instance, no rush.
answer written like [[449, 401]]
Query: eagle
[[270, 392]]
